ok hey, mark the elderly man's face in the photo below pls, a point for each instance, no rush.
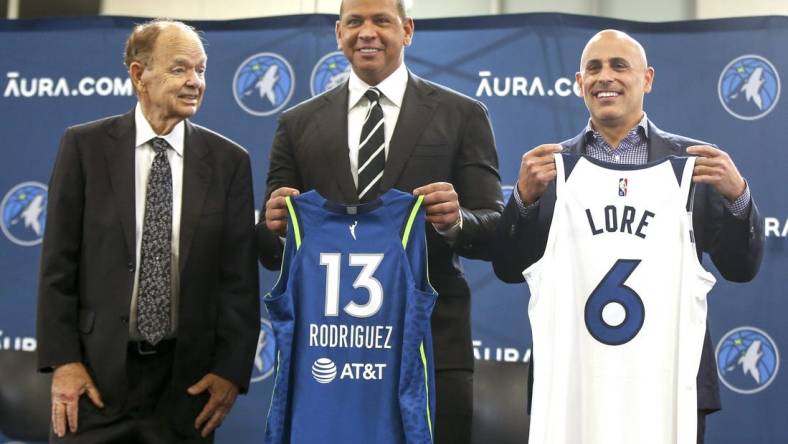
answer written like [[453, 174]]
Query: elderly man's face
[[614, 78], [371, 34], [173, 82]]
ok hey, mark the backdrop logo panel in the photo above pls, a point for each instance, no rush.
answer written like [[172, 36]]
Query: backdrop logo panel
[[329, 72], [265, 358], [24, 213], [747, 360], [749, 87], [263, 84]]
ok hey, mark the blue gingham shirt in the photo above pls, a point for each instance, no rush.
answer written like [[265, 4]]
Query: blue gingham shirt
[[633, 150]]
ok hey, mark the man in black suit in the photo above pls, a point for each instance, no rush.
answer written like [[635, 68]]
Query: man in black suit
[[148, 311], [614, 77], [438, 143]]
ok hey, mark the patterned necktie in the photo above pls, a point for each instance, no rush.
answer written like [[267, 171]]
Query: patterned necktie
[[154, 296], [371, 152]]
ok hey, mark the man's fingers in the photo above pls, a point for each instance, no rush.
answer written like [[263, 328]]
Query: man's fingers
[[285, 191], [59, 418], [216, 420], [72, 415], [704, 150], [546, 149], [433, 188], [440, 197], [207, 412], [95, 396]]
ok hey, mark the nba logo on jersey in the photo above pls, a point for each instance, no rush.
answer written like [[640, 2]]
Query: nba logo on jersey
[[622, 187]]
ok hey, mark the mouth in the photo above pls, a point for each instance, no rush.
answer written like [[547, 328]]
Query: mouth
[[369, 50], [189, 98], [606, 94]]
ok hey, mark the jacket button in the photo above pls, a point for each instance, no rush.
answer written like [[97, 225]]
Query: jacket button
[[130, 266], [124, 319]]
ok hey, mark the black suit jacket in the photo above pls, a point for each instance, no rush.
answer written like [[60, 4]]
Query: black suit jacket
[[440, 136], [734, 245], [88, 261]]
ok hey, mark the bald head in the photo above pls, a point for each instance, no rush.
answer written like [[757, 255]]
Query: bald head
[[615, 37]]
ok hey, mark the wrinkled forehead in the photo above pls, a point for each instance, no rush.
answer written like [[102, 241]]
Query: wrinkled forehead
[[175, 41]]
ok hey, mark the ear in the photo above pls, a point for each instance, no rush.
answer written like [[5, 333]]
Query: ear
[[338, 34], [135, 73], [579, 81], [649, 79], [409, 29]]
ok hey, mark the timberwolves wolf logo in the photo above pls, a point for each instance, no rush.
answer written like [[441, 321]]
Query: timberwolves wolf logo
[[749, 87], [329, 72], [263, 84], [24, 213], [265, 358], [747, 360]]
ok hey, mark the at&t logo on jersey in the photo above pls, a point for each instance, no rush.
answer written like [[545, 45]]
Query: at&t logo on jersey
[[324, 370], [749, 87], [747, 360], [265, 358], [329, 72], [263, 84], [24, 213]]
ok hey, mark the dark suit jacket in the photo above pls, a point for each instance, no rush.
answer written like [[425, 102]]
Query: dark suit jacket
[[440, 136], [735, 245], [88, 262]]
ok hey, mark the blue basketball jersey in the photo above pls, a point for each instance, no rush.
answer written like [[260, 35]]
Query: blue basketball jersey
[[351, 316]]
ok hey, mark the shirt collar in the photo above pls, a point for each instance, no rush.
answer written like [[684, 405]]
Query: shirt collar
[[642, 126], [392, 87], [145, 133]]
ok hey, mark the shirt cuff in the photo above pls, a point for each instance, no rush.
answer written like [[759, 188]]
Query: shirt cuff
[[522, 207], [740, 207], [451, 233]]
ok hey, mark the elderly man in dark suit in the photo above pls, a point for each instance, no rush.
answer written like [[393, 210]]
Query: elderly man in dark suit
[[434, 142], [614, 77], [148, 311]]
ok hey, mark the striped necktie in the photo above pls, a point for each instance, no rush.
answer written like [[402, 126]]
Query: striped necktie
[[371, 149]]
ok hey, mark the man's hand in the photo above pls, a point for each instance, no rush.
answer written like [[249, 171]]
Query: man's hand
[[223, 394], [276, 210], [69, 382], [537, 170], [441, 204], [715, 167]]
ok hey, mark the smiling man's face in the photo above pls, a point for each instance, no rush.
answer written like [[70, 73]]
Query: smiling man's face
[[613, 78], [372, 34]]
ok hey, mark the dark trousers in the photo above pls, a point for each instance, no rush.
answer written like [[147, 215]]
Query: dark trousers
[[143, 418], [454, 406], [701, 425]]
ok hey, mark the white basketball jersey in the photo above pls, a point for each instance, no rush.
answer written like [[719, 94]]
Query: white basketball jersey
[[618, 307]]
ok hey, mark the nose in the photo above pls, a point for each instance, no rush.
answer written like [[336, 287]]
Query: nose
[[194, 79], [368, 31]]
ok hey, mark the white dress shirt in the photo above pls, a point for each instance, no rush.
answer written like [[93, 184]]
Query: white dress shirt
[[392, 90], [143, 159]]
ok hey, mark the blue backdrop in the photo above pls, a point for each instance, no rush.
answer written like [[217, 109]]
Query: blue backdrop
[[716, 80]]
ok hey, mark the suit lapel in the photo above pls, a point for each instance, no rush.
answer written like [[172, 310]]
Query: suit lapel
[[197, 171], [120, 159], [415, 114], [333, 135], [658, 146]]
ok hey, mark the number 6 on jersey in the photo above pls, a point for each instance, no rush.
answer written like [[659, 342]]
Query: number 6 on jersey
[[613, 291]]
